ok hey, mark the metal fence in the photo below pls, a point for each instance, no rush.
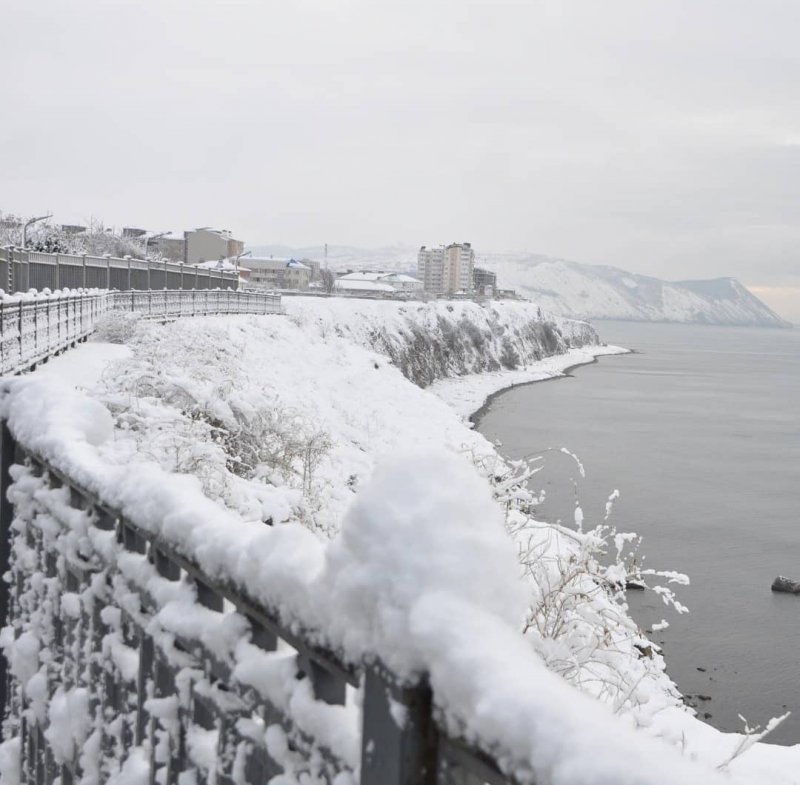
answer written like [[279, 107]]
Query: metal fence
[[33, 330], [23, 270], [108, 646]]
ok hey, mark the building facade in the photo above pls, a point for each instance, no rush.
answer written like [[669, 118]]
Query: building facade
[[209, 245], [484, 281], [278, 273], [446, 269]]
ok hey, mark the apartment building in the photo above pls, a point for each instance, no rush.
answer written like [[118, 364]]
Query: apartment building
[[278, 273], [209, 245], [446, 269]]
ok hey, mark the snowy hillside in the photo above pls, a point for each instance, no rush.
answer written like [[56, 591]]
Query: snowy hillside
[[436, 340], [595, 292]]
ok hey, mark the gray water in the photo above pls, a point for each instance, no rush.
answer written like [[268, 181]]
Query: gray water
[[700, 432]]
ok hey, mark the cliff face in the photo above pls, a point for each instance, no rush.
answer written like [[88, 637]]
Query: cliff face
[[430, 341], [594, 292]]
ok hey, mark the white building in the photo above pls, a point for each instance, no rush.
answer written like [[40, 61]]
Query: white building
[[362, 288], [402, 284], [446, 269]]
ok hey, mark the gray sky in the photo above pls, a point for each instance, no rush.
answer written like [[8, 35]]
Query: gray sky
[[662, 136]]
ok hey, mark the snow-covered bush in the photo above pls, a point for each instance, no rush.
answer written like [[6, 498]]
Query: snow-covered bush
[[578, 617], [117, 326], [186, 399]]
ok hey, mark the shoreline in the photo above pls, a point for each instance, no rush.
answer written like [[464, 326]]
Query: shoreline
[[471, 395]]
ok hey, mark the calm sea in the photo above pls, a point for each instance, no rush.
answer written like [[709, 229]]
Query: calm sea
[[700, 432]]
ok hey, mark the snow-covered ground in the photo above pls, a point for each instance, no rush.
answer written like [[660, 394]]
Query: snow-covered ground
[[396, 528]]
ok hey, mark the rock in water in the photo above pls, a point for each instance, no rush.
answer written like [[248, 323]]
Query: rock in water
[[785, 585]]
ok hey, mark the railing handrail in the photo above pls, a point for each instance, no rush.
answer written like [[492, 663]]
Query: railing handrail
[[412, 752], [34, 328], [17, 263]]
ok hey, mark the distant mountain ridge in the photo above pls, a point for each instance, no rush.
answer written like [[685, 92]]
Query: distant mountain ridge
[[576, 290], [601, 292]]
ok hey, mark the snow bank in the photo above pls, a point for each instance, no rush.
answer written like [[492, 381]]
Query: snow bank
[[467, 394]]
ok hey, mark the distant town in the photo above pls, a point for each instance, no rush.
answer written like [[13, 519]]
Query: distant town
[[442, 272]]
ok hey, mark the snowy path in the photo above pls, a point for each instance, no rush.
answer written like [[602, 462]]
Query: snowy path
[[83, 366]]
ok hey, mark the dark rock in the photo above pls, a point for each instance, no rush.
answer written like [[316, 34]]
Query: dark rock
[[702, 670], [785, 585], [704, 697], [707, 715]]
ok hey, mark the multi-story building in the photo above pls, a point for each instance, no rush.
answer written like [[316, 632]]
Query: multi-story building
[[484, 281], [278, 273], [446, 269], [209, 245]]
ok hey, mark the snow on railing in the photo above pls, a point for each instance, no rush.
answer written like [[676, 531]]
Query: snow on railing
[[35, 326], [21, 270], [152, 635]]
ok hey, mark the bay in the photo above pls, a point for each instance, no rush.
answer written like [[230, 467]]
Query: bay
[[699, 430]]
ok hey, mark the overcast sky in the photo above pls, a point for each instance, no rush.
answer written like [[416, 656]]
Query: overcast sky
[[662, 137]]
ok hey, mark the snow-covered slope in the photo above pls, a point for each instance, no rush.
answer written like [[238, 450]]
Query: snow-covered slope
[[596, 292], [430, 341]]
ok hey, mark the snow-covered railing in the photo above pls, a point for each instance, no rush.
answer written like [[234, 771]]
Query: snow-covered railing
[[102, 678], [22, 270], [35, 327]]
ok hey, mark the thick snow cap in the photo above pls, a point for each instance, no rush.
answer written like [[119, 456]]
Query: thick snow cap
[[426, 525]]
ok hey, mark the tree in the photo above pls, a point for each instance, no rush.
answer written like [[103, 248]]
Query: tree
[[328, 278]]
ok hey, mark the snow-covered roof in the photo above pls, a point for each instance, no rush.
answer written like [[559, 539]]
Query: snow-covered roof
[[265, 263], [298, 265], [363, 286], [219, 264], [401, 278], [362, 276]]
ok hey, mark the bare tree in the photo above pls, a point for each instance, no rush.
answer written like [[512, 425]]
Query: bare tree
[[328, 278]]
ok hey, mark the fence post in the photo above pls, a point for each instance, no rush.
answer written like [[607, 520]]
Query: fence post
[[391, 754], [7, 451], [20, 331]]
